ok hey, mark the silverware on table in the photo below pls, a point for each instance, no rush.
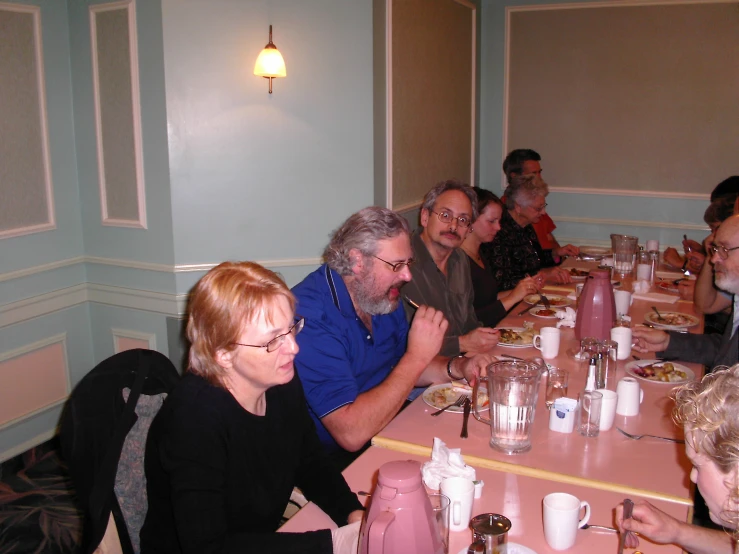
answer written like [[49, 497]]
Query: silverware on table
[[544, 300], [599, 527], [526, 309], [637, 358], [659, 315], [637, 437], [628, 508], [457, 403], [466, 417]]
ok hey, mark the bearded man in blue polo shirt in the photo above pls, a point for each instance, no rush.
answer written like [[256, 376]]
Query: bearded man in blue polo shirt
[[359, 358]]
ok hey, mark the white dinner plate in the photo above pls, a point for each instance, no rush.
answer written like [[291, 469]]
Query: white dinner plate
[[633, 369], [541, 311], [593, 253], [513, 548], [517, 330], [555, 300], [685, 320], [667, 286], [439, 396]]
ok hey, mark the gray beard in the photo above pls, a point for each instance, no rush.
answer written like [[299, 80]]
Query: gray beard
[[369, 303]]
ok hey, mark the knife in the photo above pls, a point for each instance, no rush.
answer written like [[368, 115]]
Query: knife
[[526, 309], [628, 507], [465, 417], [544, 300]]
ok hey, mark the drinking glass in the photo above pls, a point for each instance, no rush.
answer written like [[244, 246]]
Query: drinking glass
[[588, 345], [440, 506], [556, 385], [588, 413]]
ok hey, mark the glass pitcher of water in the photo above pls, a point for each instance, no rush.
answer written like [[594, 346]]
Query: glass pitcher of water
[[513, 390]]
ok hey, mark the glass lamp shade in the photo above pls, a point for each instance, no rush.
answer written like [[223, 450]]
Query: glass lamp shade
[[270, 63]]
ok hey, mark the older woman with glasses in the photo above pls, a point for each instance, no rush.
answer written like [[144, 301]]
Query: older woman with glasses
[[234, 438], [515, 252]]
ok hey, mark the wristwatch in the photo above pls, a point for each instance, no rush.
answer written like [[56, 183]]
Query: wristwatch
[[449, 367]]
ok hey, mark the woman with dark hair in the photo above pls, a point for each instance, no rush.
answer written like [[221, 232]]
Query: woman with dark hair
[[490, 305], [234, 437]]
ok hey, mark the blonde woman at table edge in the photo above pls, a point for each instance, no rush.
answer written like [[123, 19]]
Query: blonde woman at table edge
[[234, 437], [709, 412]]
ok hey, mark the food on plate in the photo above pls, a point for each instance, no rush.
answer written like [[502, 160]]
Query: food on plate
[[545, 312], [668, 286], [674, 319], [554, 300], [665, 372], [517, 336], [575, 272], [558, 301], [441, 397]]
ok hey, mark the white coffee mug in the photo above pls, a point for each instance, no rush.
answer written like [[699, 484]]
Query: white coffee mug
[[630, 396], [622, 336], [652, 246], [461, 493], [607, 409], [548, 342], [623, 302], [562, 519]]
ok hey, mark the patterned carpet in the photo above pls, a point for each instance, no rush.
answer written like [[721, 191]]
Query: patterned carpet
[[38, 513]]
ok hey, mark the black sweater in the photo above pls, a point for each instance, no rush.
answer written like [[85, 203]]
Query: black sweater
[[219, 477]]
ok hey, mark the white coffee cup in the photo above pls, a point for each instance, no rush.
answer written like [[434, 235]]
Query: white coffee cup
[[630, 396], [644, 272], [548, 342], [623, 302], [461, 493], [622, 336], [652, 246], [607, 409], [562, 519]]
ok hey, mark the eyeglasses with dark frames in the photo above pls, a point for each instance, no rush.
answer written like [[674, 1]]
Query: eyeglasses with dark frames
[[445, 217], [399, 265], [722, 251], [276, 342], [540, 209]]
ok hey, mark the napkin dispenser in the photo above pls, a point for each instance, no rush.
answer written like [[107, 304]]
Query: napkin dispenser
[[400, 518]]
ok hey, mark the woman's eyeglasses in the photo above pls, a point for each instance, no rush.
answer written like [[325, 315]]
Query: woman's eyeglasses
[[276, 342]]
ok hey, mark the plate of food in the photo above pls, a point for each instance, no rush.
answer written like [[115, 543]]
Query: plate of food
[[440, 396], [555, 300], [593, 253], [516, 337], [546, 313], [671, 320], [579, 273], [667, 286], [658, 371]]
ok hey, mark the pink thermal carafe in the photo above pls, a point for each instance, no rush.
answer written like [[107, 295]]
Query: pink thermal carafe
[[596, 312], [400, 519]]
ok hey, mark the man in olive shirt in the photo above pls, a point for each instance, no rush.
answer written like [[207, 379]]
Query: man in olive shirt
[[441, 274]]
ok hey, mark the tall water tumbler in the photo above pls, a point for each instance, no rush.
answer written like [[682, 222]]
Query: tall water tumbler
[[624, 253], [513, 389]]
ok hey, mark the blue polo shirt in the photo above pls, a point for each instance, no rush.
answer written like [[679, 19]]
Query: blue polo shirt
[[339, 359]]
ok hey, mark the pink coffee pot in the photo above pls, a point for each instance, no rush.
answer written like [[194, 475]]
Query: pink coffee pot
[[596, 311], [400, 518]]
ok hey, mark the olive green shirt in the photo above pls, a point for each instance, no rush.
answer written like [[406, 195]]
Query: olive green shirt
[[452, 293]]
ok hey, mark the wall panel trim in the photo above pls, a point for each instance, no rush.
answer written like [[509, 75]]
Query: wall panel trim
[[35, 11], [151, 338]]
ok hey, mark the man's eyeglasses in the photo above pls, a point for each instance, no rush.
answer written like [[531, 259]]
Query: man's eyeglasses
[[722, 251], [540, 209], [399, 265], [446, 217], [276, 342]]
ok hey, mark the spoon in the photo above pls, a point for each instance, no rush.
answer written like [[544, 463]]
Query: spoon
[[659, 316]]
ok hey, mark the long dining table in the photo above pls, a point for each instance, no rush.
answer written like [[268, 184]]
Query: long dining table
[[603, 470]]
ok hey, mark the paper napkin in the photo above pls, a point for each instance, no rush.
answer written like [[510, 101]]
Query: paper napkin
[[445, 462]]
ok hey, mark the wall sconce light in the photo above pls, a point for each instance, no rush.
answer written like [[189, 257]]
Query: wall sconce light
[[270, 63]]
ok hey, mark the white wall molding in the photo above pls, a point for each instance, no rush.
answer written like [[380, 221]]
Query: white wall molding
[[130, 264], [150, 338], [145, 300], [30, 443], [611, 4], [35, 12], [20, 273], [284, 262], [631, 223], [130, 8], [42, 304], [637, 193]]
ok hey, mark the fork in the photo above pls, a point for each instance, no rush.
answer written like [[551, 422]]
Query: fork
[[637, 437], [457, 403]]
